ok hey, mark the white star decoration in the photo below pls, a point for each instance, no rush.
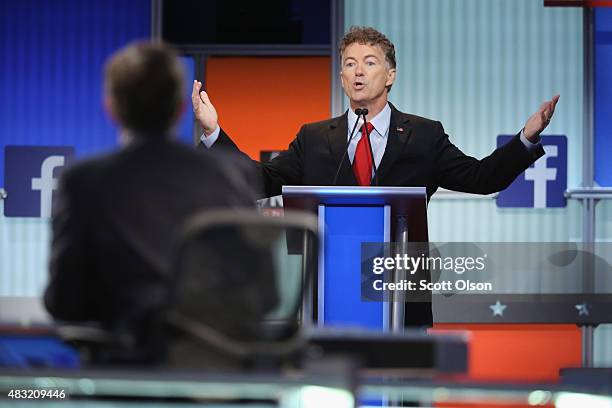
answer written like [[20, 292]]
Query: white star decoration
[[583, 309], [498, 308]]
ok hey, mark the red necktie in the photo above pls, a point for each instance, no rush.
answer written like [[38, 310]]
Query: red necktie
[[362, 163]]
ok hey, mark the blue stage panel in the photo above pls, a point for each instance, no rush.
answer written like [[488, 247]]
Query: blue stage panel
[[345, 229], [603, 96]]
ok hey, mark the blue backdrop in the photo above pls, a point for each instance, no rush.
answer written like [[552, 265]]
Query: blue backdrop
[[52, 65], [603, 96]]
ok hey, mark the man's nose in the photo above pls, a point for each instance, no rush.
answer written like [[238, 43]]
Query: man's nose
[[358, 70]]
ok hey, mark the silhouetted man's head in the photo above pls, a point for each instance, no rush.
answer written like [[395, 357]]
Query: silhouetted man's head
[[144, 85]]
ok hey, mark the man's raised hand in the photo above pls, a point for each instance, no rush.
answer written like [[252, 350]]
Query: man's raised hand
[[539, 120], [204, 111]]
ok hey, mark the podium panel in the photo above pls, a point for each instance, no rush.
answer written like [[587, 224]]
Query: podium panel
[[348, 216], [339, 289]]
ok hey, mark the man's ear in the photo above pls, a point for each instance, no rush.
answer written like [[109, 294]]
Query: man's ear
[[390, 77], [109, 108], [342, 80]]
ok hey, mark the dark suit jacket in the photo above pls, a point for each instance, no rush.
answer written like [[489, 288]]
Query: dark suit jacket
[[114, 223], [418, 153]]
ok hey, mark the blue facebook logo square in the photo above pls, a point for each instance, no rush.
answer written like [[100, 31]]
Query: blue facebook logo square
[[30, 177], [544, 183]]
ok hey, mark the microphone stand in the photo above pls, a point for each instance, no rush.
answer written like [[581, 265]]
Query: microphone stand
[[358, 112]]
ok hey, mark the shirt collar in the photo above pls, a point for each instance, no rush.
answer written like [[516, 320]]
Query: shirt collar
[[380, 122]]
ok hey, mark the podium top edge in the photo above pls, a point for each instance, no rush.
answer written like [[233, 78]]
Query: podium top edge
[[332, 191]]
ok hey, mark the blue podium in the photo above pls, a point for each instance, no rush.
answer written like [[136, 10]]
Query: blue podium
[[347, 217]]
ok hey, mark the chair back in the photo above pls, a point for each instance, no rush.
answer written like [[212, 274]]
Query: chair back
[[241, 279]]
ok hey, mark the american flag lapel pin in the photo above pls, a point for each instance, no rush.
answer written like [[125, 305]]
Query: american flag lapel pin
[[399, 129]]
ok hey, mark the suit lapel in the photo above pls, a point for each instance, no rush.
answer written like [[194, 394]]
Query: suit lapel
[[337, 137], [399, 132]]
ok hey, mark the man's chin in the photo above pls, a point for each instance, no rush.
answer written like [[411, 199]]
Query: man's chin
[[359, 100]]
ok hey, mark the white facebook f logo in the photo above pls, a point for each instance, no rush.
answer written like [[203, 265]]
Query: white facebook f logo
[[544, 184], [46, 183], [540, 175]]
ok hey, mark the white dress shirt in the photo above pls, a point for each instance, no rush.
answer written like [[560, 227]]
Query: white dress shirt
[[378, 137]]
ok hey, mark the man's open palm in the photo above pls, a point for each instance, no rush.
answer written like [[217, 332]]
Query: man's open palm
[[539, 120], [204, 111]]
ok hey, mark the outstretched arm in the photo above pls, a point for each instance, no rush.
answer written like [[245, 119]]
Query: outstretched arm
[[283, 170], [459, 172]]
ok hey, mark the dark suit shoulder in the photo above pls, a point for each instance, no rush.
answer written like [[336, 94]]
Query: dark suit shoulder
[[420, 120], [129, 163], [324, 125], [424, 129], [84, 171]]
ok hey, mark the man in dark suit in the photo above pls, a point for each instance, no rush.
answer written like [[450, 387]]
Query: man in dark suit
[[116, 217], [406, 150]]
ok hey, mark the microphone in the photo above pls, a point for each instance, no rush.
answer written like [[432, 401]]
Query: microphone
[[364, 112], [358, 112]]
